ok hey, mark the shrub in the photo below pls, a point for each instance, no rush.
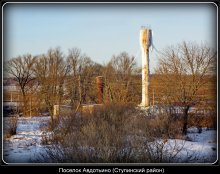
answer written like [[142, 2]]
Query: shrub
[[10, 126], [203, 120], [114, 134]]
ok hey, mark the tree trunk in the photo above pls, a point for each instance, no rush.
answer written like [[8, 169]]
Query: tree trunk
[[185, 120]]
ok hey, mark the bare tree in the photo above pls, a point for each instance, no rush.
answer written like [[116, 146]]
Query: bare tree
[[119, 74], [184, 70], [72, 60], [82, 75], [51, 71], [22, 69]]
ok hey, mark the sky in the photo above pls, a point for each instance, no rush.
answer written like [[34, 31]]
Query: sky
[[102, 30]]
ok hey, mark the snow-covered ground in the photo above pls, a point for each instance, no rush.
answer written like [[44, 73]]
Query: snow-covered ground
[[197, 148], [25, 146]]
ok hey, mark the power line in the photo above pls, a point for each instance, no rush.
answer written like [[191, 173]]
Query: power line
[[137, 53], [157, 51]]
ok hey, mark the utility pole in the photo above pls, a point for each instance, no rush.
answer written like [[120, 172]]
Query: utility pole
[[80, 90], [18, 103], [153, 97], [30, 106], [11, 97]]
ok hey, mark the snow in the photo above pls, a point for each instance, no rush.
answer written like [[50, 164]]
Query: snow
[[26, 145], [200, 148]]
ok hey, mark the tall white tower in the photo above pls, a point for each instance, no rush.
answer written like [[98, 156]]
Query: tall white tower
[[145, 42]]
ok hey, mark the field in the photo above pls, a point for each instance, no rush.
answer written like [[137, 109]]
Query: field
[[27, 145]]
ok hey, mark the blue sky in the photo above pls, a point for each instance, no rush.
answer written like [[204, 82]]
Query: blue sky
[[104, 30]]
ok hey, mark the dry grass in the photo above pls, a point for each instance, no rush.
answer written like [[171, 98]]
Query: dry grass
[[165, 126]]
